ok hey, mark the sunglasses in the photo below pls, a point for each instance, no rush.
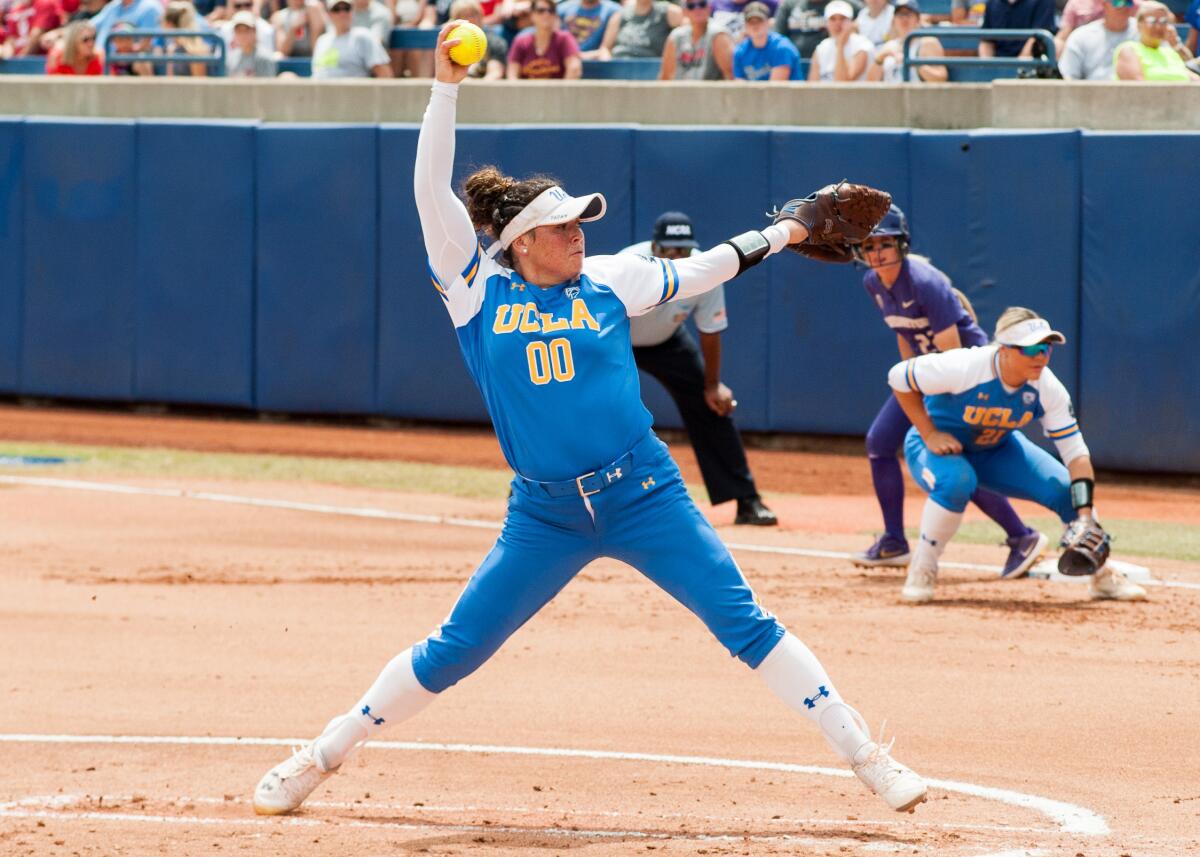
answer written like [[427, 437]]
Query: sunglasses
[[703, 4], [1034, 350], [340, 8], [87, 38], [1157, 21], [243, 5], [547, 9]]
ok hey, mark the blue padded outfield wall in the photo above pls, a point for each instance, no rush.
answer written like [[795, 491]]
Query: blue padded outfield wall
[[281, 267]]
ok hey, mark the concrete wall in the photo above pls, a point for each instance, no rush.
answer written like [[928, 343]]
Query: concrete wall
[[1003, 104]]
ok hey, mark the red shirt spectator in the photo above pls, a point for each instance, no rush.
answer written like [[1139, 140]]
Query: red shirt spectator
[[26, 21], [545, 51], [76, 52]]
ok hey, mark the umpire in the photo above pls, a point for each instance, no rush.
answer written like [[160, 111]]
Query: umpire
[[663, 347]]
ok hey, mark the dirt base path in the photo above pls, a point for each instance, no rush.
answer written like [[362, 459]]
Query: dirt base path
[[1054, 725]]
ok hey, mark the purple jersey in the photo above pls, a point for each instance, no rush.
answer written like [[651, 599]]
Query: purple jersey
[[921, 303]]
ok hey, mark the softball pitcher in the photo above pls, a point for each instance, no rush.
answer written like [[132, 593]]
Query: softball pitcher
[[965, 406], [928, 316], [545, 334]]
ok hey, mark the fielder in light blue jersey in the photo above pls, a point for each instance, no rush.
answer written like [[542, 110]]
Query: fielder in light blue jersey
[[966, 407], [545, 334]]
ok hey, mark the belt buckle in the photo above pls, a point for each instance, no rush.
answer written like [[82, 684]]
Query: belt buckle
[[579, 485]]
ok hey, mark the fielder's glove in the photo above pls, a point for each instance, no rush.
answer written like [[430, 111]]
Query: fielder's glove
[[1085, 547], [837, 217]]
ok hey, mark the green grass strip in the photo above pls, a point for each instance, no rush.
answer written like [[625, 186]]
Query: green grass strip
[[1136, 538], [406, 476]]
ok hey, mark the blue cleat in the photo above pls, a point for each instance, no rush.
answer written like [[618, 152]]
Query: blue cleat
[[1023, 552], [887, 550]]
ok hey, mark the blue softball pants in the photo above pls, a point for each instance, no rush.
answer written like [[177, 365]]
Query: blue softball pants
[[645, 519], [1014, 468]]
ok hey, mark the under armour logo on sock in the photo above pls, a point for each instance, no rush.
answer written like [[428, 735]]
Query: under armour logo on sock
[[366, 712], [926, 538], [811, 702]]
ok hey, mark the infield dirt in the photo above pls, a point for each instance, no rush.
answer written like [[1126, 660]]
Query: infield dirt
[[131, 615]]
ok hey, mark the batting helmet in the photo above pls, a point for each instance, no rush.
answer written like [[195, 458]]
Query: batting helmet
[[893, 223]]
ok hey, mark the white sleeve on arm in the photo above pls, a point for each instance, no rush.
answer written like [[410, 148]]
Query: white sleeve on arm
[[947, 372], [648, 282], [1058, 418], [450, 240]]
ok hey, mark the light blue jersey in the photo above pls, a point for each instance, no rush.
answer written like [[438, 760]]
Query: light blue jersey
[[966, 398], [555, 365]]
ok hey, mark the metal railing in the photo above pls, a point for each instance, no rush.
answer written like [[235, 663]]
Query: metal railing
[[215, 61], [1049, 61]]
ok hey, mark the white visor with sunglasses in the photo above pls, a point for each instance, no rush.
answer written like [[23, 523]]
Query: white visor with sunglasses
[[1030, 332], [551, 207]]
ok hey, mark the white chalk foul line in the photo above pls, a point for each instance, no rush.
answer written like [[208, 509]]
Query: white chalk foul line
[[445, 520], [1069, 817]]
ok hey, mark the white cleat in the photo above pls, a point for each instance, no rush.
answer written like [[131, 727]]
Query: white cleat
[[289, 783], [898, 785], [918, 588], [1110, 584]]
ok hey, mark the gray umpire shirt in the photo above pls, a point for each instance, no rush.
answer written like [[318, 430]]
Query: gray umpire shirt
[[660, 324]]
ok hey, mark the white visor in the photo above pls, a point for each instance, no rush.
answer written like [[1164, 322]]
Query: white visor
[[1030, 332], [551, 206]]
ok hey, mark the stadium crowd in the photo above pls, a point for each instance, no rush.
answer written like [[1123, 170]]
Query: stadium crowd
[[757, 40]]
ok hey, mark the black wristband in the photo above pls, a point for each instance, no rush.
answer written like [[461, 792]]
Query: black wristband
[[1082, 491], [751, 247]]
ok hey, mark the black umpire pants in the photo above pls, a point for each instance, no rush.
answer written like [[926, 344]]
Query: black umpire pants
[[678, 365]]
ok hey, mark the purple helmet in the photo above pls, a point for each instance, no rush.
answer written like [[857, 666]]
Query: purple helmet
[[893, 223]]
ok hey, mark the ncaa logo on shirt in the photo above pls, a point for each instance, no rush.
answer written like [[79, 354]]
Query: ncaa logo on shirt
[[571, 292], [1028, 396]]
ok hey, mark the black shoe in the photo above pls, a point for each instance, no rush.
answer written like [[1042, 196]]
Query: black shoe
[[752, 511]]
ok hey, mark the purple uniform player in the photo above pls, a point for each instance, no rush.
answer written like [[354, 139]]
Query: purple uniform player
[[918, 302]]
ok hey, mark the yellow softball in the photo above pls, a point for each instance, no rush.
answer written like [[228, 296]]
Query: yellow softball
[[472, 44]]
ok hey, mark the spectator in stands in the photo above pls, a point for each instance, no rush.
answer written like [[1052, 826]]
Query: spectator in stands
[[246, 58], [875, 21], [347, 51], [139, 14], [729, 15], [888, 63], [1015, 15], [698, 49], [1088, 52], [297, 27], [1157, 54], [25, 22], [1192, 16], [546, 51], [75, 52], [491, 67], [413, 14], [641, 29], [844, 55], [181, 15], [265, 33], [1075, 14], [967, 13], [125, 44], [374, 16], [803, 21], [87, 10], [764, 54], [587, 21]]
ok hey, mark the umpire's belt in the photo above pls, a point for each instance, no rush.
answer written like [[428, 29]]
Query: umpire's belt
[[589, 483]]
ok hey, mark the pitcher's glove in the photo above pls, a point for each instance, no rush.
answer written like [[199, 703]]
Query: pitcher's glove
[[837, 217], [1085, 547]]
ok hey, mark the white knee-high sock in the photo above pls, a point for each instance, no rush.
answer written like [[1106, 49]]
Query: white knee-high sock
[[938, 526], [793, 672], [395, 696]]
